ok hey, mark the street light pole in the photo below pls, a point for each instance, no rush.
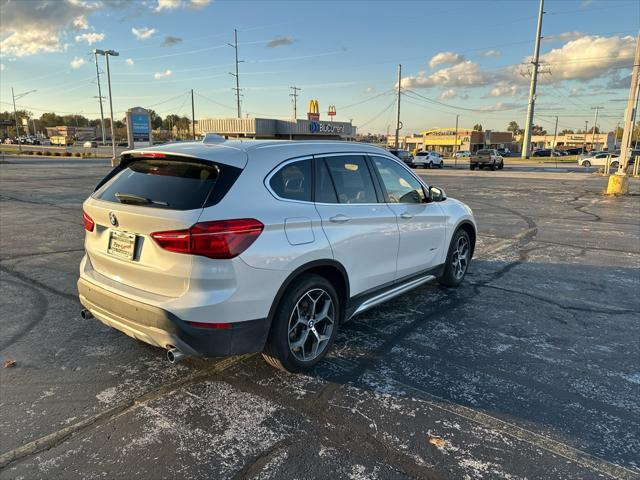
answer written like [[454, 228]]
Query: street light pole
[[106, 54], [95, 54]]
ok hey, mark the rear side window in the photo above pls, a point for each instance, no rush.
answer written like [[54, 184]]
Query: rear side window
[[351, 179], [293, 181], [171, 184]]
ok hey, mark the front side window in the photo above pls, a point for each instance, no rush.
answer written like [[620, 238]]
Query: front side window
[[400, 185], [293, 181], [351, 179]]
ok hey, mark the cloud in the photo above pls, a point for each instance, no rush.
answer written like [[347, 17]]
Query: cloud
[[564, 37], [464, 74], [77, 62], [90, 38], [167, 5], [143, 33], [279, 42], [369, 90], [504, 89], [500, 106], [161, 75], [173, 4], [80, 23], [1, 67], [589, 57], [197, 4], [129, 61], [491, 53], [446, 58], [619, 81], [448, 94], [170, 41]]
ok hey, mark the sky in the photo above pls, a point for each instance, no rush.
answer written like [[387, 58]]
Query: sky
[[465, 58]]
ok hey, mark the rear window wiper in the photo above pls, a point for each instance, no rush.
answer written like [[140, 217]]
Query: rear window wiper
[[133, 198]]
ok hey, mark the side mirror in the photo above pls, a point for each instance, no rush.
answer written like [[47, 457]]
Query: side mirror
[[437, 194]]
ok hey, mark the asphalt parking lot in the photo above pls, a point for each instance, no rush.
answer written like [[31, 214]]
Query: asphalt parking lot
[[531, 369]]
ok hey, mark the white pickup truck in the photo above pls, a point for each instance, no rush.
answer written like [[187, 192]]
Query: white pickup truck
[[486, 157]]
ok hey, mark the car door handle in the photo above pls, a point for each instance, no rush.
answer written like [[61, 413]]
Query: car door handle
[[406, 215], [340, 218]]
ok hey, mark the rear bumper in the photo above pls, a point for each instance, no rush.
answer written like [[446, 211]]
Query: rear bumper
[[160, 328]]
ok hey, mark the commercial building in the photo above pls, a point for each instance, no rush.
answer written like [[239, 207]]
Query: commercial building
[[79, 133], [446, 141], [271, 128], [599, 141]]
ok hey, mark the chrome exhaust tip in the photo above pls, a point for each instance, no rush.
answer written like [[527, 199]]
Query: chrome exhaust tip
[[86, 314], [174, 355]]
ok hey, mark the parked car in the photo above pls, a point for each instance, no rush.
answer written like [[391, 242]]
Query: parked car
[[486, 157], [404, 155], [90, 144], [573, 151], [558, 153], [541, 152], [600, 160], [228, 247], [427, 160], [504, 152], [462, 154]]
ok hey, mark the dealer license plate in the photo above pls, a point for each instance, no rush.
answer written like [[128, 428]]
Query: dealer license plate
[[122, 244]]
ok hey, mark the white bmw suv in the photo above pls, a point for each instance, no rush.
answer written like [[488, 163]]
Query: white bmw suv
[[228, 247]]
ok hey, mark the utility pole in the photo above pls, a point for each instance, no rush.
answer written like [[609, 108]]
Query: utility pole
[[398, 122], [526, 145], [237, 74], [619, 183], [553, 145], [15, 114], [193, 116], [615, 136], [455, 146], [294, 97], [584, 140], [95, 54], [595, 125]]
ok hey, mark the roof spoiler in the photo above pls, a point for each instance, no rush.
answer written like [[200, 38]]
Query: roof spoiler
[[213, 138]]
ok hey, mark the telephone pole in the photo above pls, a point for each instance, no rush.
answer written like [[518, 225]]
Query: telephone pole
[[193, 116], [237, 74], [553, 145], [619, 183], [294, 97], [595, 125], [584, 140], [398, 122], [104, 141], [526, 145], [455, 146]]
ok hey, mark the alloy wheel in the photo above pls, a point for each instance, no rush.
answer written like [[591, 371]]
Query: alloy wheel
[[311, 324], [460, 257]]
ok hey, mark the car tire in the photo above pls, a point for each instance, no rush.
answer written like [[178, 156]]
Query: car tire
[[472, 166], [615, 164], [430, 164], [288, 326], [441, 164], [501, 166], [493, 166], [586, 164], [456, 265]]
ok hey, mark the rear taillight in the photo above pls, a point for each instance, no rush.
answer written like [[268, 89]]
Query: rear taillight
[[219, 239], [88, 222]]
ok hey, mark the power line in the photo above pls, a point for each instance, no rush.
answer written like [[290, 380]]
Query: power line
[[393, 102]]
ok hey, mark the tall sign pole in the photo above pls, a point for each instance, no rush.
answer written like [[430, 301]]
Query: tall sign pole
[[526, 145], [193, 116], [619, 183], [398, 122]]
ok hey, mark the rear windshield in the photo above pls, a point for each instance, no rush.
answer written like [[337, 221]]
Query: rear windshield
[[175, 185], [485, 152]]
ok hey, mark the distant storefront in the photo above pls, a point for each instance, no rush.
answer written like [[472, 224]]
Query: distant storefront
[[79, 133], [270, 128], [599, 141], [447, 140]]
